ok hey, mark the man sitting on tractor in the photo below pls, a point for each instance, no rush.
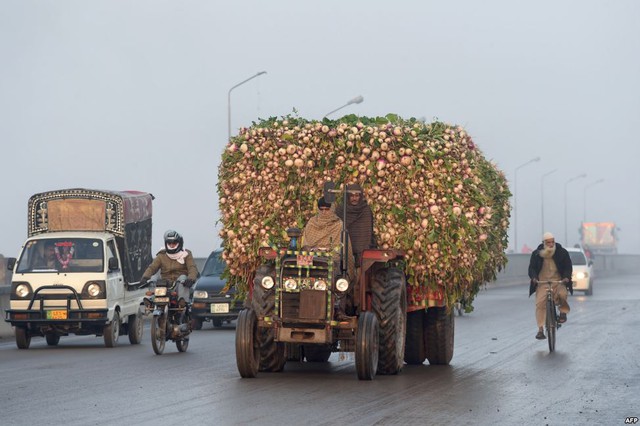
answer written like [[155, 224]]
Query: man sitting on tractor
[[323, 232]]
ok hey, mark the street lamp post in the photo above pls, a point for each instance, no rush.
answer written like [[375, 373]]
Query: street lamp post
[[229, 98], [566, 238], [515, 200], [584, 198], [542, 197], [356, 100]]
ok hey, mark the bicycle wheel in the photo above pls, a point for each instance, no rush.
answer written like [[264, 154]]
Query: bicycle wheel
[[551, 322]]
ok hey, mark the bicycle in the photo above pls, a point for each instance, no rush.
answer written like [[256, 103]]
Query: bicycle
[[551, 321]]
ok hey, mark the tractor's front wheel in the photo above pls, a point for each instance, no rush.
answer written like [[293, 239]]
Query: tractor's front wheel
[[247, 345], [367, 347]]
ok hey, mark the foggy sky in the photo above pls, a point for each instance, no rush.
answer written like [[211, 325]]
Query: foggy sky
[[133, 95]]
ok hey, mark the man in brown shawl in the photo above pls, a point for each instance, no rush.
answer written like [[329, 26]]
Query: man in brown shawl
[[324, 232], [359, 221]]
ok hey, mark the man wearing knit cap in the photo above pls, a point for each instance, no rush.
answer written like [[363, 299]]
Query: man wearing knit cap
[[550, 262], [359, 221], [324, 232]]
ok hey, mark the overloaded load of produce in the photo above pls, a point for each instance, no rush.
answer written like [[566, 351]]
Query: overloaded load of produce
[[433, 195]]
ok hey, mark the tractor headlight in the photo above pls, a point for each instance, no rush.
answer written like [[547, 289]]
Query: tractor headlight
[[267, 282], [290, 284], [320, 285], [342, 285], [160, 291]]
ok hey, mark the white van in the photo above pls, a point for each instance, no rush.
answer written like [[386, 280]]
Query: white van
[[79, 270]]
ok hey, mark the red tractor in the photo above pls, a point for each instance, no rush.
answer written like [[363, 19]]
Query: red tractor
[[291, 313]]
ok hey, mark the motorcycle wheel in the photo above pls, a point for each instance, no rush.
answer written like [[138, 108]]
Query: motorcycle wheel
[[158, 333], [182, 344]]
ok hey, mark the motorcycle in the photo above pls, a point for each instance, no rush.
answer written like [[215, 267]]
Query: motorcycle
[[171, 314]]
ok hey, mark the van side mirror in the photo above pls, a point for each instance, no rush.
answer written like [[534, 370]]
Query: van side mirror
[[590, 262], [113, 264], [11, 262]]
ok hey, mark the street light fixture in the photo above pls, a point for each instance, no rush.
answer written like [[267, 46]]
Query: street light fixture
[[584, 198], [542, 196], [356, 100], [515, 199], [583, 175], [229, 98]]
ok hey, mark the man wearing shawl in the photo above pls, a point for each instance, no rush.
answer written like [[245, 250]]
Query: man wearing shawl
[[359, 221], [324, 232]]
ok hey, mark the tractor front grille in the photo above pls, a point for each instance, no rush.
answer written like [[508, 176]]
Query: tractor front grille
[[304, 305]]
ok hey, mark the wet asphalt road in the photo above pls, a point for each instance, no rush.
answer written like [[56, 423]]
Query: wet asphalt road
[[499, 375]]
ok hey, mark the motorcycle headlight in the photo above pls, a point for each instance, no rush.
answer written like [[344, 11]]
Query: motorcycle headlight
[[200, 294], [160, 291], [581, 275], [22, 290], [320, 285], [342, 285], [290, 284], [267, 282]]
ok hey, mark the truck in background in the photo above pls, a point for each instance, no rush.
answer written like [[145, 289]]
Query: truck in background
[[599, 237], [79, 270]]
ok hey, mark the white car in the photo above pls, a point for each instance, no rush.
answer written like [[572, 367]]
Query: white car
[[582, 276]]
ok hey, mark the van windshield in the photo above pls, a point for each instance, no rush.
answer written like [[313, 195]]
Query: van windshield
[[62, 255], [214, 266]]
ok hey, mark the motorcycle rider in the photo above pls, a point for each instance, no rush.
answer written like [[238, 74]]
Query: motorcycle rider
[[172, 261], [550, 262]]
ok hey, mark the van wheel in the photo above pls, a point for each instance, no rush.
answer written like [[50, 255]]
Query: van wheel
[[111, 332], [52, 339], [136, 327], [23, 338]]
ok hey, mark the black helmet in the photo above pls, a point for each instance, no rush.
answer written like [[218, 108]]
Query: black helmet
[[172, 236]]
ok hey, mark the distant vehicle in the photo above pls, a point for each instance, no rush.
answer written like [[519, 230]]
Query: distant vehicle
[[599, 237], [582, 276], [210, 303]]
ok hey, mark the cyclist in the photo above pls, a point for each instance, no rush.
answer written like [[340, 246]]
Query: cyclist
[[550, 262]]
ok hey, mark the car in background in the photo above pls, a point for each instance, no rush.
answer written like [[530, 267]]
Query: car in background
[[582, 276], [210, 302]]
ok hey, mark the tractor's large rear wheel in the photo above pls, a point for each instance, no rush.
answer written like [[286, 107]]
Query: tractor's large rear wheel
[[389, 303], [439, 330], [414, 353], [247, 345], [367, 347]]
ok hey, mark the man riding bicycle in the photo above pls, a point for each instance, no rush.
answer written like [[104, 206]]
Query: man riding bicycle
[[550, 262]]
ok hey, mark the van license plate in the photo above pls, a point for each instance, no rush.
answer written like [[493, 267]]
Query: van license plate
[[57, 315], [219, 308]]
